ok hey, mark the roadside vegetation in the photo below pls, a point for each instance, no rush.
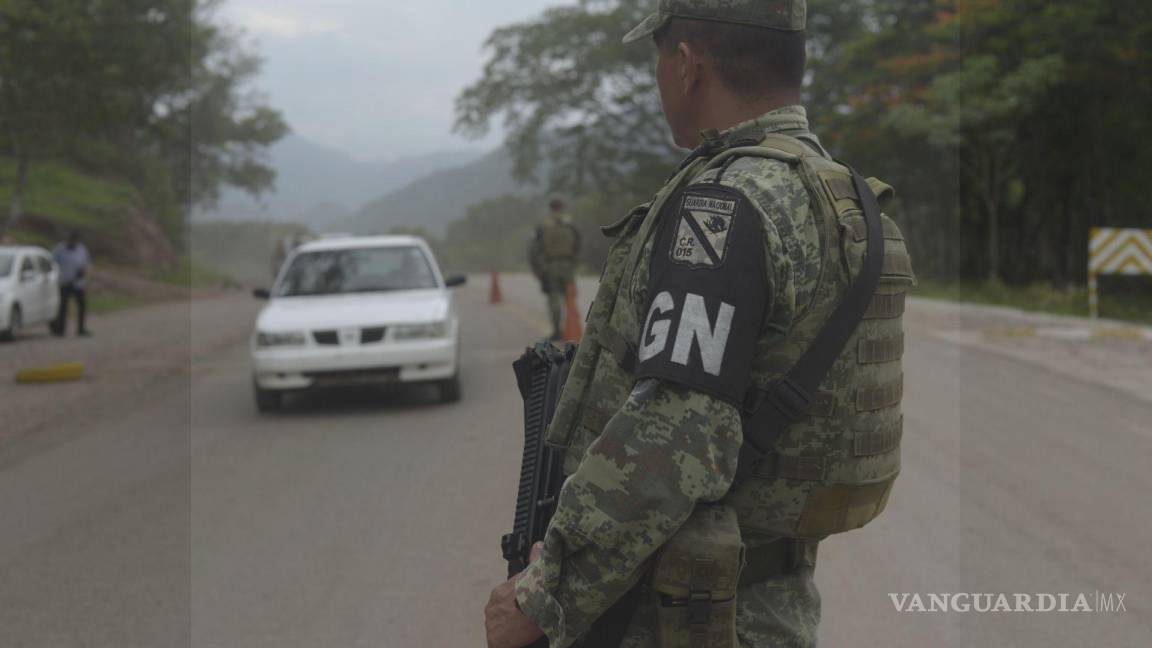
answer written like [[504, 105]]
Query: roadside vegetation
[[118, 118], [1009, 129], [1121, 298]]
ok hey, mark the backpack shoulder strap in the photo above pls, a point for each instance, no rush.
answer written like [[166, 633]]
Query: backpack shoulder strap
[[769, 411]]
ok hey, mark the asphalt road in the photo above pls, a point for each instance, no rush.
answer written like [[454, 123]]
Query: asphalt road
[[174, 515]]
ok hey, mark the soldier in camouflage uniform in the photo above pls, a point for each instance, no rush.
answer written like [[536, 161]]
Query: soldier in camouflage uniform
[[710, 294], [553, 255]]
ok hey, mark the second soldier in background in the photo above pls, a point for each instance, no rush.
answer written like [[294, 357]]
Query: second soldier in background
[[553, 255]]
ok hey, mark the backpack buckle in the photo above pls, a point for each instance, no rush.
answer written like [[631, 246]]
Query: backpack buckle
[[790, 399]]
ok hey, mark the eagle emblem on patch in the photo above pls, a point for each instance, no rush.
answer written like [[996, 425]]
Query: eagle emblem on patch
[[702, 230]]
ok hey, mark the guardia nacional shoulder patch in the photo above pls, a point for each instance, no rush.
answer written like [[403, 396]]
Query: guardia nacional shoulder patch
[[702, 229], [708, 291]]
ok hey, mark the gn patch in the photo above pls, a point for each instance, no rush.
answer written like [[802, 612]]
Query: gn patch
[[708, 290], [702, 230]]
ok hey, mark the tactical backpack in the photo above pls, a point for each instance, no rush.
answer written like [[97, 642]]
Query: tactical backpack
[[822, 424], [558, 240]]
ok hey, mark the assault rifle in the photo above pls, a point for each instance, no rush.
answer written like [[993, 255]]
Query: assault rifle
[[540, 374]]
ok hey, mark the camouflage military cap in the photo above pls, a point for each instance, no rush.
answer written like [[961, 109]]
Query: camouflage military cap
[[785, 15]]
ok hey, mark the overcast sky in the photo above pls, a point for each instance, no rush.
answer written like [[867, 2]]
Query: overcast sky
[[375, 78]]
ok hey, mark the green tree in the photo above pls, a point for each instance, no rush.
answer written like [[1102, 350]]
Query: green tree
[[228, 128], [1031, 110], [151, 89], [571, 93], [1009, 127], [44, 49], [493, 235]]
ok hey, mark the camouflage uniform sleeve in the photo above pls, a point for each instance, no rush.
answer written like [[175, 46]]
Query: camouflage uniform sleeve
[[791, 238], [668, 448]]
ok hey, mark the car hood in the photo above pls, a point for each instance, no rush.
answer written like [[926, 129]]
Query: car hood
[[355, 310]]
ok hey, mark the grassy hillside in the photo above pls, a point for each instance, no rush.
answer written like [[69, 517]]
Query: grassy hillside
[[59, 198], [439, 199], [134, 256]]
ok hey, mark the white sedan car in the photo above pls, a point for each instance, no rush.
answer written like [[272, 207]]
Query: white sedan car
[[357, 311], [29, 293]]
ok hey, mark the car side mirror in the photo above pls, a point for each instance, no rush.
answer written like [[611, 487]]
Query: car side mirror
[[456, 280], [262, 293]]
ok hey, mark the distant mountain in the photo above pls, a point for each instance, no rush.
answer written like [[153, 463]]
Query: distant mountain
[[320, 186], [440, 198]]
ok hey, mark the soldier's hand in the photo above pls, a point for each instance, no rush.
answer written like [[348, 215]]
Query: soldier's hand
[[506, 625]]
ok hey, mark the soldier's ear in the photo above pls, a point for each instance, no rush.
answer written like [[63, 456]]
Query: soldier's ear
[[689, 62]]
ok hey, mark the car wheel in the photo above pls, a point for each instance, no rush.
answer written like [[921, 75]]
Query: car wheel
[[15, 323], [450, 389], [267, 400]]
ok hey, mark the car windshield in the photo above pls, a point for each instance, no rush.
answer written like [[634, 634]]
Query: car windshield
[[334, 272], [7, 261]]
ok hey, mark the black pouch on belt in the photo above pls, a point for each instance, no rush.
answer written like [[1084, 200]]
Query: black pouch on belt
[[695, 578]]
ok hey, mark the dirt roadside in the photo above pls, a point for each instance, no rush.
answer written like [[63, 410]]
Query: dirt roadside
[[132, 352], [1113, 354]]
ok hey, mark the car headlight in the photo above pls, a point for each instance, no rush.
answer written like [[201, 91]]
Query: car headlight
[[420, 331], [292, 338]]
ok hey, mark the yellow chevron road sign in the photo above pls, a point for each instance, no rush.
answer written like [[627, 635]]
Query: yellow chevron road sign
[[1117, 251]]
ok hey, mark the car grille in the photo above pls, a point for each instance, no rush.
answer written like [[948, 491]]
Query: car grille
[[370, 335], [326, 338]]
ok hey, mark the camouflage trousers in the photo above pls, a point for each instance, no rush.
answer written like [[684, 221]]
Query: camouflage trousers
[[554, 284], [556, 309], [781, 612]]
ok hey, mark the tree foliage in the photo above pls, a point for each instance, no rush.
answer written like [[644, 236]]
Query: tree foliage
[[572, 94], [1009, 127], [493, 236], [149, 89]]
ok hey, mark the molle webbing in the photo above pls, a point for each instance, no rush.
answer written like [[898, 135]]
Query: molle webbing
[[886, 306], [898, 265], [876, 351], [860, 229], [866, 443], [877, 397]]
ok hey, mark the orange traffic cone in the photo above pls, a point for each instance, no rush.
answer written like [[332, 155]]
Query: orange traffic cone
[[573, 325], [495, 296]]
